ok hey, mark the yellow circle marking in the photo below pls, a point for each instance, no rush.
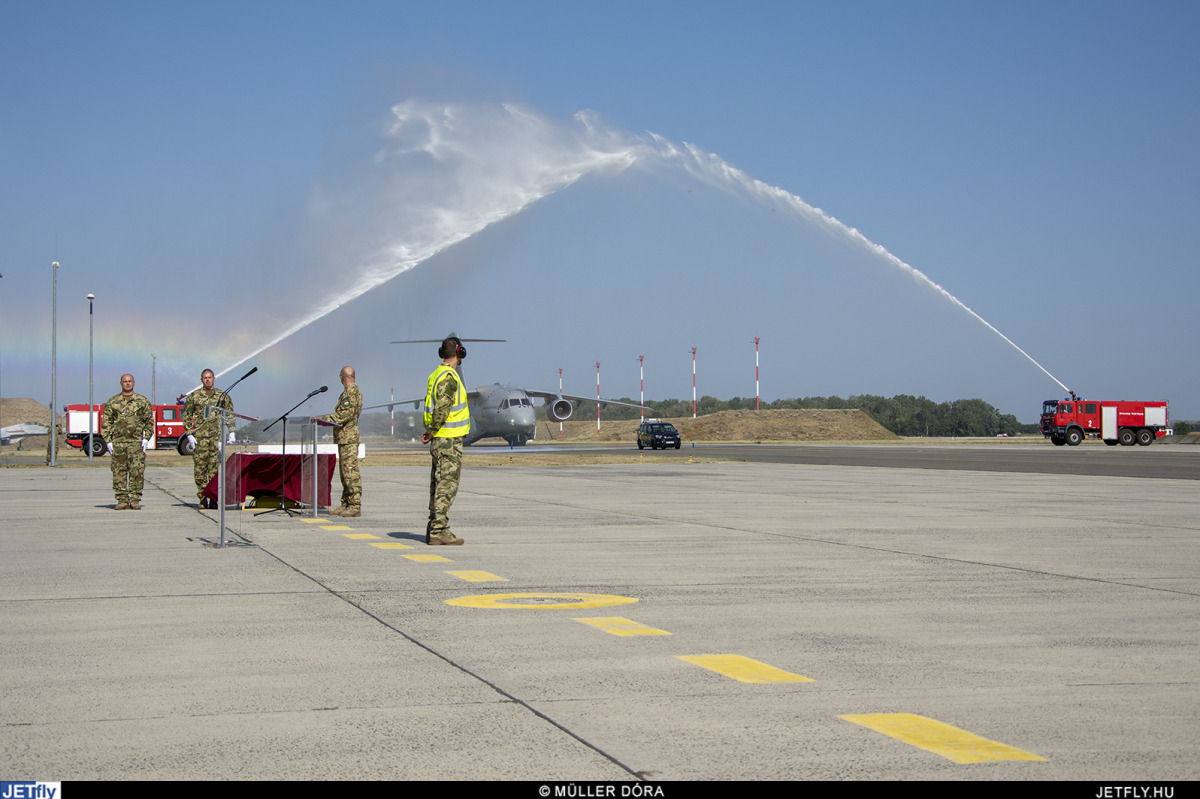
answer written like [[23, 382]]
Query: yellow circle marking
[[541, 601]]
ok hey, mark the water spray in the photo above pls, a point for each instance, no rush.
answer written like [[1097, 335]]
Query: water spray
[[491, 163]]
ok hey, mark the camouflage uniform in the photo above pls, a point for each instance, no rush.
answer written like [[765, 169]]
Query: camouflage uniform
[[447, 462], [126, 422], [349, 406], [207, 457]]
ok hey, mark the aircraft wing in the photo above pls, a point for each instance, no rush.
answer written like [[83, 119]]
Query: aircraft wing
[[472, 396], [553, 395], [414, 401]]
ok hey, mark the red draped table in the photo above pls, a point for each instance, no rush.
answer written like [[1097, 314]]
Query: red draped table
[[257, 474]]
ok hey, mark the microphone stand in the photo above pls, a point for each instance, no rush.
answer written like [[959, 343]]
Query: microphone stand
[[221, 470], [283, 454]]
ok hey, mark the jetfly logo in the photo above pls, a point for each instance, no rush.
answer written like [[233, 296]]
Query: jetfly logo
[[30, 790]]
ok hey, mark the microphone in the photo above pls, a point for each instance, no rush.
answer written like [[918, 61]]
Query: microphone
[[315, 392], [243, 377]]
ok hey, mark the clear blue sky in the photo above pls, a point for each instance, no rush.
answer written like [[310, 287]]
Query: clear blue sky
[[214, 172]]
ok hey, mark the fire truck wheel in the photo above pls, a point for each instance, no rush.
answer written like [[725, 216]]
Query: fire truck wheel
[[98, 446], [184, 447], [1145, 437], [1127, 437], [1074, 437], [1112, 442], [1057, 441]]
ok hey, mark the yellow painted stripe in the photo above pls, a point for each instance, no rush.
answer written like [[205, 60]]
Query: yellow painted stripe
[[359, 536], [428, 558], [391, 545], [615, 625], [314, 521], [479, 577], [335, 527], [942, 739], [743, 669], [539, 601]]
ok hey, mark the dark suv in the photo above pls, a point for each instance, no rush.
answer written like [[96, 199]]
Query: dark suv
[[657, 434]]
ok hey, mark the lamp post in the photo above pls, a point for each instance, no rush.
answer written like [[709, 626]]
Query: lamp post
[[53, 360], [642, 387], [757, 400], [91, 408], [693, 382]]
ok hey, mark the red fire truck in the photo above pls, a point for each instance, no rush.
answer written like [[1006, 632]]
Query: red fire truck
[[1124, 422], [168, 424]]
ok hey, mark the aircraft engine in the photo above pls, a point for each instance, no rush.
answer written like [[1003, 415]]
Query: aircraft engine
[[558, 410]]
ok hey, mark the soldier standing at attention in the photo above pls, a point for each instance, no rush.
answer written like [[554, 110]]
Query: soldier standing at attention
[[447, 422], [128, 424], [349, 406], [204, 433]]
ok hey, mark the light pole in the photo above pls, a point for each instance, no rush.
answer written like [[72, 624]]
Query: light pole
[[560, 426], [91, 409], [642, 387], [53, 360], [757, 400], [693, 382]]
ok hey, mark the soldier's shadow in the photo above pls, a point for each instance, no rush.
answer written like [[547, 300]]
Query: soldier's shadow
[[405, 536]]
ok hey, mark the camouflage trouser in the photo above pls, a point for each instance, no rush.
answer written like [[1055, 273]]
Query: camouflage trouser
[[443, 482], [351, 481], [128, 470], [205, 461]]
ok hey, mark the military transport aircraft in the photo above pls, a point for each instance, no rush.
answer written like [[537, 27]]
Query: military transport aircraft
[[504, 411]]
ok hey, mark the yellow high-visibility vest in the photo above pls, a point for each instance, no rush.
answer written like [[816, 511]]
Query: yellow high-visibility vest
[[458, 423]]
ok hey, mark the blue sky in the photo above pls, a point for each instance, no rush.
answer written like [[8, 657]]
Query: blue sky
[[214, 172]]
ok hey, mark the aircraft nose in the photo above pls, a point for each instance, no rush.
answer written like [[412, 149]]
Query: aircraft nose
[[525, 417]]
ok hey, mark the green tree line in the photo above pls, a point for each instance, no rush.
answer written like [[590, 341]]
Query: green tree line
[[902, 414]]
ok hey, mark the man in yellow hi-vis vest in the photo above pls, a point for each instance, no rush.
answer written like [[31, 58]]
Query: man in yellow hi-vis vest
[[447, 422]]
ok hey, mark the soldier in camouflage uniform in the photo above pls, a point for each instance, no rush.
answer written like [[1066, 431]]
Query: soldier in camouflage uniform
[[205, 433], [128, 424], [349, 406], [447, 421]]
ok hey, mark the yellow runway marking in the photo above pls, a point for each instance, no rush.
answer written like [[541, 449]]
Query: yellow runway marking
[[743, 669], [359, 536], [335, 527], [942, 739], [479, 577], [428, 558], [391, 545], [314, 521], [541, 601], [615, 625]]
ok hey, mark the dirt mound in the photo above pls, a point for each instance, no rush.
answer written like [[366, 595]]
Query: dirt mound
[[786, 425], [23, 409]]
